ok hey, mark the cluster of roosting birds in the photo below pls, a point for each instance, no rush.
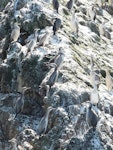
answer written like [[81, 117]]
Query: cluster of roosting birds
[[47, 82], [95, 79], [91, 13], [50, 80], [74, 24]]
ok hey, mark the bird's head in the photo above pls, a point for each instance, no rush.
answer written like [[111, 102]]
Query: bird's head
[[60, 51], [26, 90], [90, 106], [50, 108], [13, 141]]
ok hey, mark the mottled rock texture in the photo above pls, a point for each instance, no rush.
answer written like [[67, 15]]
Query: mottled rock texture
[[68, 127]]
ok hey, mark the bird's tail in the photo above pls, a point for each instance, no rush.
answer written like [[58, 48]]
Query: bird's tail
[[54, 32]]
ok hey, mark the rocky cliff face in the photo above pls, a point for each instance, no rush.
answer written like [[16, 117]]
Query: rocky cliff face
[[76, 82]]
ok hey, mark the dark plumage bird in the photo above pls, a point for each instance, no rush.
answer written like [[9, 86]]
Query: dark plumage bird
[[42, 126], [33, 42], [56, 5], [53, 77], [19, 104], [70, 4], [92, 117], [57, 25]]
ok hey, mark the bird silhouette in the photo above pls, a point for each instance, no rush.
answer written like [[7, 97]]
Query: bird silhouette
[[19, 104], [56, 5], [74, 24], [42, 126], [94, 96], [69, 4], [56, 26], [53, 77], [92, 13], [15, 33], [92, 117], [33, 42], [94, 76], [107, 34], [109, 80], [102, 29], [43, 39], [59, 58]]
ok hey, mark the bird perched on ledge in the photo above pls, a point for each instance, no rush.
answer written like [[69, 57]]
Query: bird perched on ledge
[[60, 58], [70, 4], [48, 82], [33, 42], [109, 80], [57, 59], [92, 13], [94, 96], [74, 24], [19, 104], [57, 25], [42, 126], [94, 75], [15, 33], [92, 117], [56, 5], [43, 39], [53, 77]]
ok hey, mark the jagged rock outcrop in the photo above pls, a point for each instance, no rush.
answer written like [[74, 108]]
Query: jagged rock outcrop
[[69, 95]]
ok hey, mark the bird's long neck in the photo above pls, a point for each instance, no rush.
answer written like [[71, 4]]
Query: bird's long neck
[[92, 8], [35, 36], [92, 63], [95, 87], [55, 69], [47, 113], [22, 95]]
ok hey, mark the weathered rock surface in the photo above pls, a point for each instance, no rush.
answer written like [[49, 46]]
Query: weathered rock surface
[[67, 128]]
